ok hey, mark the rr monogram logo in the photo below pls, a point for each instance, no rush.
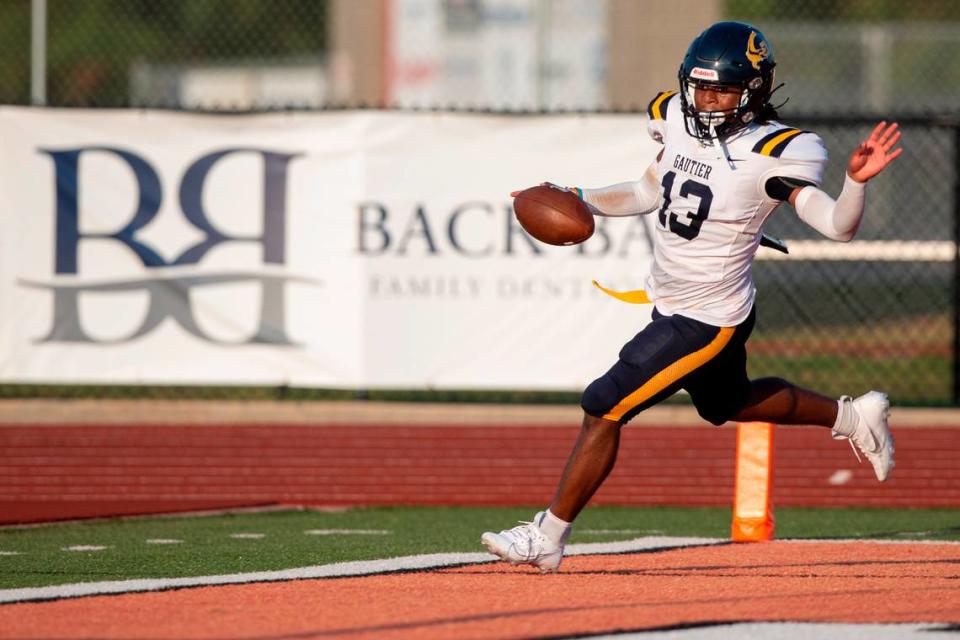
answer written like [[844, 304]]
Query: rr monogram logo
[[169, 293]]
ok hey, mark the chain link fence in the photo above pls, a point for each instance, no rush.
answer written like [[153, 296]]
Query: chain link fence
[[836, 56], [882, 318], [881, 312]]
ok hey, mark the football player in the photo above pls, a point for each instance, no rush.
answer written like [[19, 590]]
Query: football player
[[726, 164]]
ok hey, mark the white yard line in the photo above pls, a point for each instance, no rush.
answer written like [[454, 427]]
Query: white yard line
[[85, 547], [340, 569], [604, 532], [348, 532]]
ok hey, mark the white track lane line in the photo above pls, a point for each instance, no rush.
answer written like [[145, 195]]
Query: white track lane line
[[793, 631], [869, 541], [340, 569]]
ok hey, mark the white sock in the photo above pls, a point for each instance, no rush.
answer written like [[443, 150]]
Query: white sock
[[554, 528], [847, 418]]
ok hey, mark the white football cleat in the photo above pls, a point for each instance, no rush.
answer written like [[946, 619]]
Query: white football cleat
[[525, 544], [872, 434]]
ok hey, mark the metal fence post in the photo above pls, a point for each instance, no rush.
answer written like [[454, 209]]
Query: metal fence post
[[38, 52], [956, 264]]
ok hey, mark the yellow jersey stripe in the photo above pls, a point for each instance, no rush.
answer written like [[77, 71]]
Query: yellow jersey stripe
[[656, 107], [783, 137], [671, 374]]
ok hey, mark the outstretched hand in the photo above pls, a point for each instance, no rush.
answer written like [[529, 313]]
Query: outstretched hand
[[875, 153]]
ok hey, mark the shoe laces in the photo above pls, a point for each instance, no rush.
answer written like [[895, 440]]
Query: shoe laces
[[854, 449], [524, 538], [858, 439]]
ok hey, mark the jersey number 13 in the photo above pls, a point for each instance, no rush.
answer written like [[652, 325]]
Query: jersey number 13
[[690, 229]]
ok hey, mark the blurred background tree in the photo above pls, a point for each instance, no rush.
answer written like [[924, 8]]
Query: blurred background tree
[[93, 44]]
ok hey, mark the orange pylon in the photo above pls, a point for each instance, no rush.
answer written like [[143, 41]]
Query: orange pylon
[[752, 505]]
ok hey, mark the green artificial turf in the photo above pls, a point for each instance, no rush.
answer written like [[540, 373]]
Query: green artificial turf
[[35, 556]]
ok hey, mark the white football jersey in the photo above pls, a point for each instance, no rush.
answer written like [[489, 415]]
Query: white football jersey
[[713, 206]]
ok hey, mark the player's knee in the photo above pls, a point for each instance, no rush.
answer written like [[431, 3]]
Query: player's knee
[[719, 409], [715, 415], [599, 397]]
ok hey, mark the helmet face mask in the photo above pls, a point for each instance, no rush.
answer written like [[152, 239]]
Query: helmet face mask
[[714, 117], [727, 57]]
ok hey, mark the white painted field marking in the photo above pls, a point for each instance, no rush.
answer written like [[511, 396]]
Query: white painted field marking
[[348, 532], [336, 570], [163, 541], [867, 541], [248, 536], [604, 532], [10, 553], [792, 630], [840, 477], [370, 567], [85, 547]]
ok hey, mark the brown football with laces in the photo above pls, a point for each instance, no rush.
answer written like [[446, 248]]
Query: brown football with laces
[[553, 215]]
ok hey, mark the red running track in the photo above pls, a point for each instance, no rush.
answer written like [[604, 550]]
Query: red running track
[[49, 473]]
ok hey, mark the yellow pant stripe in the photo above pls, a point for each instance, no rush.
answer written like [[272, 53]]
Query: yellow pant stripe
[[671, 374]]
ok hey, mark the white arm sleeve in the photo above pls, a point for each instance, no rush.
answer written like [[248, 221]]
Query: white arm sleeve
[[626, 198], [836, 219]]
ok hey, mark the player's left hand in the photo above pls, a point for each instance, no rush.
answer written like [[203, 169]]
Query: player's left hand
[[874, 153]]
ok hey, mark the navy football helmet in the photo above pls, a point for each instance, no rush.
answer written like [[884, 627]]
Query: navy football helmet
[[734, 56]]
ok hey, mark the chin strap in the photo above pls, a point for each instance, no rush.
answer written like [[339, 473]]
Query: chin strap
[[719, 146]]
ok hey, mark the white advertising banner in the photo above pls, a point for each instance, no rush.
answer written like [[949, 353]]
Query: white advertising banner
[[340, 249]]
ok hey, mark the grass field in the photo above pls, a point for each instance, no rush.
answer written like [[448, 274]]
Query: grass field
[[165, 547]]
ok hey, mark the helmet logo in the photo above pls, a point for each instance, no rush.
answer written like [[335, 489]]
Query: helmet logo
[[704, 74], [756, 53]]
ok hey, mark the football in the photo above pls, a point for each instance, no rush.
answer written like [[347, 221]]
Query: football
[[553, 215]]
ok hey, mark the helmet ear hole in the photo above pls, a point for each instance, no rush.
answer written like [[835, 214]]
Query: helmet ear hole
[[755, 83]]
